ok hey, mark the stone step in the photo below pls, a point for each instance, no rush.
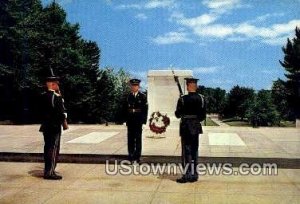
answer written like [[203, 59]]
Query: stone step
[[285, 163]]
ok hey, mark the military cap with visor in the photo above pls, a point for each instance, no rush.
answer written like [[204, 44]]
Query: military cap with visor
[[191, 80], [52, 77], [135, 81]]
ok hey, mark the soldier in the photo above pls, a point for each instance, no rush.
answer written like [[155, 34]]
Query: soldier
[[135, 111], [191, 109], [54, 117]]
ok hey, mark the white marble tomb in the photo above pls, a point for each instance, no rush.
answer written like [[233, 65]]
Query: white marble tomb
[[163, 92]]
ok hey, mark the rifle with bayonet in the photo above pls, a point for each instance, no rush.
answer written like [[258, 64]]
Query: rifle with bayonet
[[182, 102], [178, 85]]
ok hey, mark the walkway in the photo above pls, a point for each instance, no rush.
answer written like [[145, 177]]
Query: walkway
[[86, 183]]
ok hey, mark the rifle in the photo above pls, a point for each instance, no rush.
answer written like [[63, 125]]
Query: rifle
[[65, 123], [178, 85], [183, 160]]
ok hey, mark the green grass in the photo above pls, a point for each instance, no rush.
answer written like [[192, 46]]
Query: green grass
[[209, 122], [239, 123], [287, 124], [245, 123], [225, 120]]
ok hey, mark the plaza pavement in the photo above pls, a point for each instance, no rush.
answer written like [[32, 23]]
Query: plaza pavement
[[217, 141], [21, 182], [88, 183]]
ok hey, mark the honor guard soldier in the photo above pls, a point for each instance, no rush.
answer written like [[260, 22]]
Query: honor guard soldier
[[191, 109], [135, 111], [54, 117]]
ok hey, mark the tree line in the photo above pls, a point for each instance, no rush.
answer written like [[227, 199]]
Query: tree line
[[243, 103], [263, 107], [35, 39]]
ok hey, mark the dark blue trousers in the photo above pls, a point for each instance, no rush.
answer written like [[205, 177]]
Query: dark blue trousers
[[189, 155], [51, 151], [134, 141]]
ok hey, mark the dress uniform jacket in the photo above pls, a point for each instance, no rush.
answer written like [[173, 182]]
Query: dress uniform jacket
[[135, 111], [53, 112], [191, 110]]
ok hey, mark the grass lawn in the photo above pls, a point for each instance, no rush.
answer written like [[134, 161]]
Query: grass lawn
[[209, 122], [239, 123], [287, 124], [245, 123]]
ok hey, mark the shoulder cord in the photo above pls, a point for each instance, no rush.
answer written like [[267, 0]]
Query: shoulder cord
[[202, 100], [52, 100]]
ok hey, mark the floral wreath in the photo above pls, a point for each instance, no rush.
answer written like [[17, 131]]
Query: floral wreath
[[158, 122]]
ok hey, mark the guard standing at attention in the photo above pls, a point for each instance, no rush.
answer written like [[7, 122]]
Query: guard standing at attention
[[54, 118], [135, 111], [192, 110]]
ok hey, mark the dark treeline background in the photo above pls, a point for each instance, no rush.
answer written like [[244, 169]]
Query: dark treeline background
[[34, 39]]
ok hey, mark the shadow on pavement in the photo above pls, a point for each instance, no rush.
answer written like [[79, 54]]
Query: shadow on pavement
[[38, 173]]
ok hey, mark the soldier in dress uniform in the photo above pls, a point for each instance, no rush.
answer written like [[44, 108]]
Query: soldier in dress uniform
[[191, 109], [135, 111], [54, 117]]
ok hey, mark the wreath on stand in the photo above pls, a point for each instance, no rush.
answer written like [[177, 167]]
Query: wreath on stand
[[158, 122]]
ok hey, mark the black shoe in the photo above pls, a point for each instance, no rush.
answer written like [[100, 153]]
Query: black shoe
[[52, 177], [58, 175], [182, 180], [192, 180]]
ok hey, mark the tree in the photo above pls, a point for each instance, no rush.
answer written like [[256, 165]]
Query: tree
[[122, 93], [15, 58], [220, 97], [214, 97], [238, 101], [34, 39], [291, 64], [112, 88], [280, 98], [262, 111]]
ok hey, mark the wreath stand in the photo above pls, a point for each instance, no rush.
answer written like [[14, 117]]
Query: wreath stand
[[157, 136], [158, 124]]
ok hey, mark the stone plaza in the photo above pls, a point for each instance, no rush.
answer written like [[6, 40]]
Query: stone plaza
[[217, 141], [21, 182]]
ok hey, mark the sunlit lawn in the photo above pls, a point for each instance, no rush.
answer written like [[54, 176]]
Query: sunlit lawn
[[245, 123], [209, 122]]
